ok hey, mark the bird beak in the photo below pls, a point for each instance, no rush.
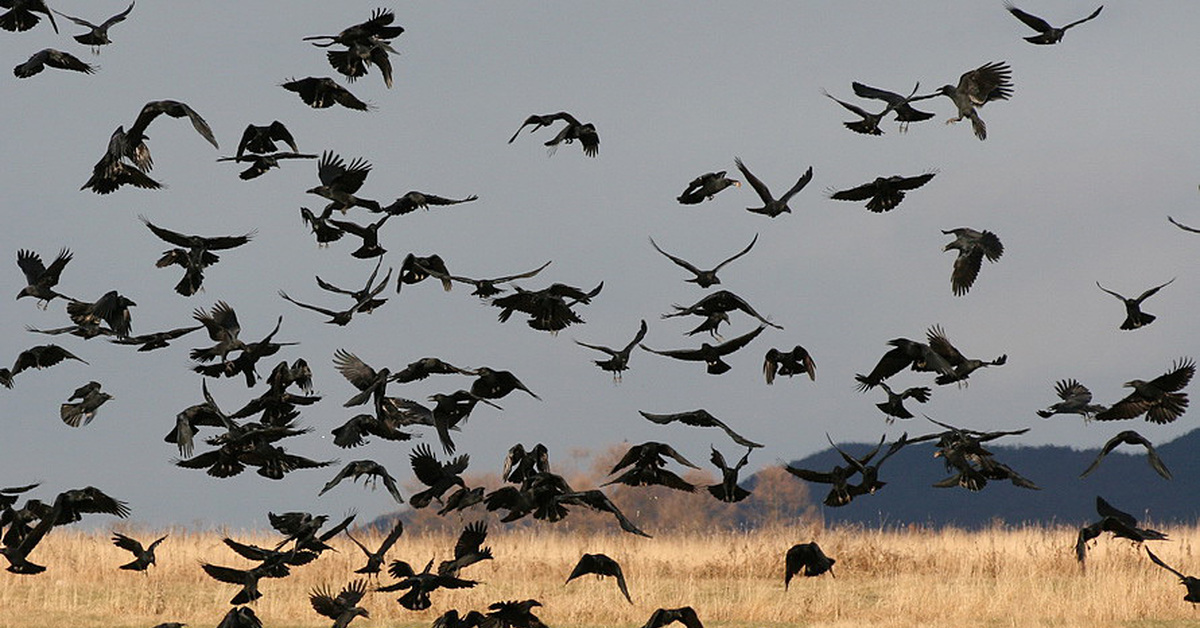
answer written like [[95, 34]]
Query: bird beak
[[737, 184]]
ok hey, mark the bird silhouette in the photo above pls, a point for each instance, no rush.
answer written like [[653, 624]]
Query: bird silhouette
[[1135, 318], [1047, 34], [600, 565]]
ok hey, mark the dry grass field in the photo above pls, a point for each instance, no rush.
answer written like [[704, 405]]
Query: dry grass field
[[950, 577]]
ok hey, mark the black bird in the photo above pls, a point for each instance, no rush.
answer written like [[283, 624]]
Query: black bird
[[20, 15], [366, 43], [246, 363], [549, 309], [90, 399], [1076, 399], [963, 452], [904, 354], [869, 122], [364, 296], [520, 464], [420, 585], [1192, 584], [1120, 524], [988, 82], [372, 384], [262, 139], [493, 384], [772, 206], [788, 363], [728, 490], [339, 182], [343, 608], [703, 278], [196, 253], [905, 113], [575, 130], [1047, 34], [468, 550], [1130, 437], [39, 279], [423, 368], [894, 406], [39, 357], [685, 615], [305, 529], [380, 25], [343, 317], [972, 247], [320, 225], [512, 614], [49, 57], [618, 361], [143, 557], [240, 617], [705, 187], [134, 141], [112, 171], [716, 303], [1160, 398], [645, 467], [223, 328], [416, 269], [97, 35], [711, 354], [837, 477], [485, 288], [373, 471], [961, 366], [352, 433], [807, 558], [414, 200], [112, 308], [375, 559], [1135, 318], [323, 92], [156, 340], [600, 565], [260, 164], [884, 193], [440, 477], [369, 234], [699, 418], [68, 507]]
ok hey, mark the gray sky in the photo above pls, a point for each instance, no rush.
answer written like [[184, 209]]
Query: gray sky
[[1096, 147]]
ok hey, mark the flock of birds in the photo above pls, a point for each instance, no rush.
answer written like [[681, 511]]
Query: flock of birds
[[238, 441]]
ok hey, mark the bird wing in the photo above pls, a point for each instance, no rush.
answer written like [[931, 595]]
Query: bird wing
[[1108, 447], [729, 346], [346, 471], [1160, 563], [354, 369], [811, 476], [759, 187], [800, 184], [1032, 21], [283, 295], [679, 261], [127, 543], [31, 264], [1149, 293], [173, 237], [987, 82], [739, 254], [120, 17], [912, 183], [426, 466], [1182, 226], [1181, 373], [1105, 509], [966, 269], [1092, 16]]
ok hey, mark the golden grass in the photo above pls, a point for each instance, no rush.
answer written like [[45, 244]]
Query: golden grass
[[997, 577]]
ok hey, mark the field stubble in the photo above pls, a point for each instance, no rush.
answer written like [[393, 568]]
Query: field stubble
[[917, 577]]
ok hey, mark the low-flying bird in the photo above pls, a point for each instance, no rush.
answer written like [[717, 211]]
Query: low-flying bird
[[372, 384], [354, 431], [486, 288], [155, 340], [20, 15], [711, 354], [806, 558], [868, 124], [57, 59], [1135, 318], [376, 559], [365, 296], [972, 247], [97, 34], [988, 82], [838, 477], [728, 490], [1160, 398], [468, 549], [600, 565], [420, 585], [884, 193], [373, 471], [1130, 437], [324, 92], [520, 464], [1120, 524], [575, 130], [414, 200], [39, 357], [81, 412], [685, 615], [643, 466], [1047, 34], [788, 363], [1076, 399], [703, 278], [240, 617], [343, 608], [705, 187], [772, 206], [699, 418], [1191, 583], [40, 279], [618, 360], [343, 317], [439, 477], [894, 406], [143, 557]]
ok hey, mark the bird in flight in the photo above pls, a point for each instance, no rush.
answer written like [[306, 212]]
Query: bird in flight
[[1135, 318], [1047, 34]]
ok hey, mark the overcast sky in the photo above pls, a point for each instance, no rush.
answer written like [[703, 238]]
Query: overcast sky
[[1097, 146]]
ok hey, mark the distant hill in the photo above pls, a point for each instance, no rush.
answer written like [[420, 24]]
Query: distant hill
[[1124, 479]]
